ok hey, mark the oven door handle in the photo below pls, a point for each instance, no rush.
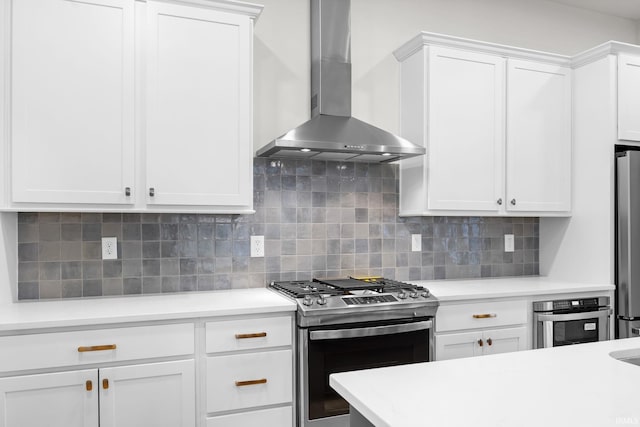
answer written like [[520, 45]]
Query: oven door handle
[[572, 316], [334, 334]]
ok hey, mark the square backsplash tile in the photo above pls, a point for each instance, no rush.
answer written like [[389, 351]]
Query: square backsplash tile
[[319, 219]]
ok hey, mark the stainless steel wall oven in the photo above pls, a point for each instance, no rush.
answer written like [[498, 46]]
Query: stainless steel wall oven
[[566, 322], [350, 324]]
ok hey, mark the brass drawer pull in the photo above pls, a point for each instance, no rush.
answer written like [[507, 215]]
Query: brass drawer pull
[[251, 382], [105, 383], [256, 335], [489, 341], [484, 316], [96, 348], [88, 385], [480, 343]]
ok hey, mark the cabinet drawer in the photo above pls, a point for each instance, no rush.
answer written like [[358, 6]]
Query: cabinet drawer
[[39, 351], [280, 417], [246, 380], [248, 334], [480, 315]]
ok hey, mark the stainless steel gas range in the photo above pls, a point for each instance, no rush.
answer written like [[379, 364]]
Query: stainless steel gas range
[[351, 324]]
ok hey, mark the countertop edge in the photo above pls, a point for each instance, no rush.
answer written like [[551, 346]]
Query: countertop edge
[[18, 317]]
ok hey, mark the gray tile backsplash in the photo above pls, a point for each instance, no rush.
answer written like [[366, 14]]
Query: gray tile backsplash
[[319, 219]]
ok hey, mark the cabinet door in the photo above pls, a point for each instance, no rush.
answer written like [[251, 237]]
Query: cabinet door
[[157, 394], [629, 98], [538, 137], [458, 345], [465, 130], [72, 101], [199, 107], [65, 399], [505, 340]]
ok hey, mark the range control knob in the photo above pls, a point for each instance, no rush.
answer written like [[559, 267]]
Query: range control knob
[[321, 300], [307, 300], [402, 295], [413, 294], [425, 294]]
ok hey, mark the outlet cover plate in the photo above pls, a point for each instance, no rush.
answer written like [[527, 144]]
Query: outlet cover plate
[[416, 242], [257, 246], [508, 243], [109, 248]]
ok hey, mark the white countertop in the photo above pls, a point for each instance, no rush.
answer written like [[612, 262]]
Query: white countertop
[[88, 311], [505, 287], [577, 385], [80, 312]]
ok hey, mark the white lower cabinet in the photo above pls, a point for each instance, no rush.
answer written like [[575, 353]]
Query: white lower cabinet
[[155, 394], [151, 375], [60, 399], [249, 372], [478, 343], [128, 381], [480, 328]]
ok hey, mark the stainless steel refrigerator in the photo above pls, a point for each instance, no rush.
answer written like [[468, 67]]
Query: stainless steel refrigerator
[[628, 243]]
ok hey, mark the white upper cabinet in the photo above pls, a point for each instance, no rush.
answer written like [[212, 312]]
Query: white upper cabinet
[[119, 104], [464, 161], [198, 147], [628, 97], [72, 101], [538, 137], [496, 123]]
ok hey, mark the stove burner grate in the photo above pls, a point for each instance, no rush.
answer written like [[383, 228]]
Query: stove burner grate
[[348, 286]]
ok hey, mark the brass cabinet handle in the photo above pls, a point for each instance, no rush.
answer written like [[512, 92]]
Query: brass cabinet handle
[[499, 201], [152, 191], [484, 316], [513, 202], [105, 383], [96, 348], [480, 343], [127, 191], [256, 335], [251, 382], [88, 385], [489, 341]]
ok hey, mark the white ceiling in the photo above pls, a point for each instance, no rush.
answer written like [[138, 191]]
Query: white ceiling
[[623, 8]]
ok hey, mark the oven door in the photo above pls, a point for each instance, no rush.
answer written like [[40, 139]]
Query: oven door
[[325, 351], [554, 330]]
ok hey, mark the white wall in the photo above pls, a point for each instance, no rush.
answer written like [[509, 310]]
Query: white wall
[[581, 248], [281, 99]]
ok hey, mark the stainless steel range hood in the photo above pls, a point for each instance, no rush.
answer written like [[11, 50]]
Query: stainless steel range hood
[[332, 134]]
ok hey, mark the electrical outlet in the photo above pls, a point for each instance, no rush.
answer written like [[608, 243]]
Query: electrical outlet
[[109, 248], [257, 246], [416, 242], [508, 243]]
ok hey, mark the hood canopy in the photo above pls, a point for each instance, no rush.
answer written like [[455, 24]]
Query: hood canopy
[[332, 134]]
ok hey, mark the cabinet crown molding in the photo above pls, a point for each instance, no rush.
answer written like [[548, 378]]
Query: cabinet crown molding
[[252, 10], [435, 39], [608, 48], [425, 38]]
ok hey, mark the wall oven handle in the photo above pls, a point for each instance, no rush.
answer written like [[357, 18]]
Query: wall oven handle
[[334, 334], [542, 317]]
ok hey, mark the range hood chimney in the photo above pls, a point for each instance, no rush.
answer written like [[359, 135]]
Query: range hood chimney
[[332, 134]]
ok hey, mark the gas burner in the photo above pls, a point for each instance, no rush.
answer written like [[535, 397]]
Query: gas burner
[[328, 297]]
